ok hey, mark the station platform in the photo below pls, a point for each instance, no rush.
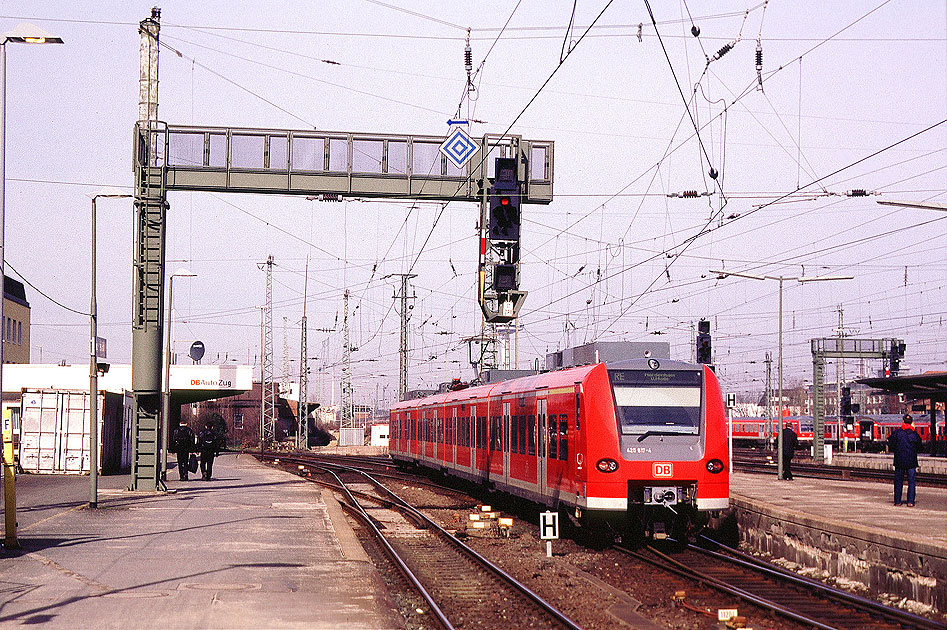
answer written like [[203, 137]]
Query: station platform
[[849, 530], [885, 461], [253, 548]]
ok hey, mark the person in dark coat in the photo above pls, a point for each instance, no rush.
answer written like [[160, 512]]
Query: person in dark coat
[[790, 442], [904, 442], [183, 444], [209, 446]]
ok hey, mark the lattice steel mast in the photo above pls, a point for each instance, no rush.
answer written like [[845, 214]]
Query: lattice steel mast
[[302, 432], [347, 420], [405, 311], [268, 417]]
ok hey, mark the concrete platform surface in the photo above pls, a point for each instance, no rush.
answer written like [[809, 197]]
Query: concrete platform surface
[[860, 505], [253, 548]]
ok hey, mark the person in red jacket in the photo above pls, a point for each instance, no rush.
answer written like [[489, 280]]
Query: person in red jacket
[[904, 442]]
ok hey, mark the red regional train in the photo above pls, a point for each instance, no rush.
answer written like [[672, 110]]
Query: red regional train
[[638, 445], [868, 432]]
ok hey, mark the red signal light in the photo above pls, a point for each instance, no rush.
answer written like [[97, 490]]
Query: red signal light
[[504, 201]]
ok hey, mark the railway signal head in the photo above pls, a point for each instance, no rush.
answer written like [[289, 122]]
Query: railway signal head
[[846, 401], [897, 353], [504, 205], [703, 346], [504, 278]]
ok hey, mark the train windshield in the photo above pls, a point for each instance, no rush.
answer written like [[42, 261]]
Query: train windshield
[[657, 402]]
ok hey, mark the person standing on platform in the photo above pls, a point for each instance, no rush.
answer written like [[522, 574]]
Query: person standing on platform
[[208, 444], [790, 442], [183, 444], [904, 442]]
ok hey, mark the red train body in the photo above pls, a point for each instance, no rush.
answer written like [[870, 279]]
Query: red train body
[[870, 433], [642, 442]]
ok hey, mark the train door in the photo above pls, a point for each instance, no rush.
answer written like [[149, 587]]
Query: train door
[[541, 436], [506, 442]]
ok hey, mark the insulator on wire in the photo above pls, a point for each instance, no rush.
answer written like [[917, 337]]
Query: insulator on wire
[[695, 30], [468, 58], [858, 192], [689, 194], [759, 57], [723, 51]]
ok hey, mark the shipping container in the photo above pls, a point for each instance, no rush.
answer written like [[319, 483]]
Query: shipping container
[[54, 431]]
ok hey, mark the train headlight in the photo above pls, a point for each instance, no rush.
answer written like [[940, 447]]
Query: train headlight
[[606, 465], [714, 466]]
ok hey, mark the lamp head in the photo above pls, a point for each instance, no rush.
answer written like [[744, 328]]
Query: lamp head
[[108, 191], [26, 33]]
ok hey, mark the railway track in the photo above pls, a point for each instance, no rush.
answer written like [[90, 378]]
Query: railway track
[[768, 589], [460, 587], [781, 592], [802, 468]]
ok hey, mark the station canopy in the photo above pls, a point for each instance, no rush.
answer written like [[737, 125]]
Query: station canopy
[[930, 385]]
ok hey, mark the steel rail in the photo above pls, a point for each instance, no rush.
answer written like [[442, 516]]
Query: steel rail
[[364, 517], [416, 515], [669, 564], [744, 560], [522, 588]]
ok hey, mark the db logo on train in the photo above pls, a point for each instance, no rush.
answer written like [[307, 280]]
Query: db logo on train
[[662, 470]]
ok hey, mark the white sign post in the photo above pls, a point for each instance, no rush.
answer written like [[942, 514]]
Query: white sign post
[[549, 529]]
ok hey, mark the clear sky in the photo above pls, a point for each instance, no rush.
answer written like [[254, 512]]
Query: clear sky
[[844, 87]]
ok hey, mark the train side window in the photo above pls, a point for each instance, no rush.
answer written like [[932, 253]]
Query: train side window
[[553, 441], [564, 437], [522, 444], [514, 433], [531, 435]]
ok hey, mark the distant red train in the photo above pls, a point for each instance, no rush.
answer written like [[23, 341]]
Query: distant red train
[[870, 432], [639, 445]]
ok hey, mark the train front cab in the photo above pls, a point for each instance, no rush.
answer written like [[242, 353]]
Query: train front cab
[[658, 447]]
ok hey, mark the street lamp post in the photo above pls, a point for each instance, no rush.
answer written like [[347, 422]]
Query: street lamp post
[[23, 34], [94, 367], [166, 399], [779, 425]]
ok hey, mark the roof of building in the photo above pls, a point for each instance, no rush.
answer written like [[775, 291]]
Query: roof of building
[[14, 290]]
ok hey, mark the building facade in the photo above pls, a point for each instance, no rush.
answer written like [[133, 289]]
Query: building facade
[[16, 322], [242, 415]]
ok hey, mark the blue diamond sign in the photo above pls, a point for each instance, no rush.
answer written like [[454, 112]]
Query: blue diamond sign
[[459, 147]]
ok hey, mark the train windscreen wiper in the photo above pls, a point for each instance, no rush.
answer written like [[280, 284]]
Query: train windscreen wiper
[[650, 433]]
